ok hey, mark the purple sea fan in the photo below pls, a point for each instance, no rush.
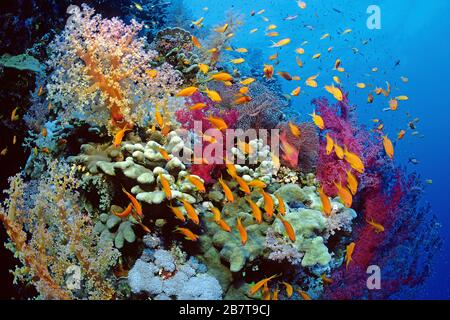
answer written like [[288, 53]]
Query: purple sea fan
[[307, 145], [264, 111]]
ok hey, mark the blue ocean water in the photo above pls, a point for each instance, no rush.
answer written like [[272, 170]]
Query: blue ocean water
[[412, 42]]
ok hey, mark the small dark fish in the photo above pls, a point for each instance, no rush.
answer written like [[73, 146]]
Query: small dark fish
[[337, 10]]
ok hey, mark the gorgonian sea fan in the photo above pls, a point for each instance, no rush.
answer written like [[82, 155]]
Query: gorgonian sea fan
[[386, 196], [342, 128], [402, 251]]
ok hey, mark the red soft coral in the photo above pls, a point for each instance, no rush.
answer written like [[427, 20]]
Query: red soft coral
[[188, 119]]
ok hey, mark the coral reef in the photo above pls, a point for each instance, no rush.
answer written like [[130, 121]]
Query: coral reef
[[126, 189]]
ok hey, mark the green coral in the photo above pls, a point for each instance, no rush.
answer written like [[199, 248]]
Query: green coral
[[22, 62], [111, 227]]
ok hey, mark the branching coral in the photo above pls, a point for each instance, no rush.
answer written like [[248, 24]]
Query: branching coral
[[52, 234], [99, 71]]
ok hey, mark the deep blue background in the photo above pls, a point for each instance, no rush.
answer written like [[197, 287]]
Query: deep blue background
[[413, 32]]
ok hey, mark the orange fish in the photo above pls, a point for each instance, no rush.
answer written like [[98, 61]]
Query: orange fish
[[281, 205], [349, 253], [354, 160], [266, 292], [393, 104], [244, 186], [294, 129], [281, 43], [213, 95], [41, 89], [222, 224], [339, 151], [178, 213], [197, 106], [296, 92], [191, 213], [118, 137], [188, 234], [326, 204], [226, 190], [345, 195], [268, 71], [242, 100], [231, 169], [257, 286], [401, 135], [304, 295], [165, 130], [187, 92], [257, 184], [268, 203], [352, 182], [290, 153], [217, 214], [388, 147], [14, 115], [144, 227], [289, 289], [159, 118], [330, 144], [242, 231], [256, 211], [164, 154], [166, 186], [217, 122], [243, 90], [196, 42], [285, 75], [378, 227], [275, 294], [197, 183], [125, 213], [136, 205], [318, 121], [325, 279], [244, 147], [222, 76], [288, 227], [44, 132]]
